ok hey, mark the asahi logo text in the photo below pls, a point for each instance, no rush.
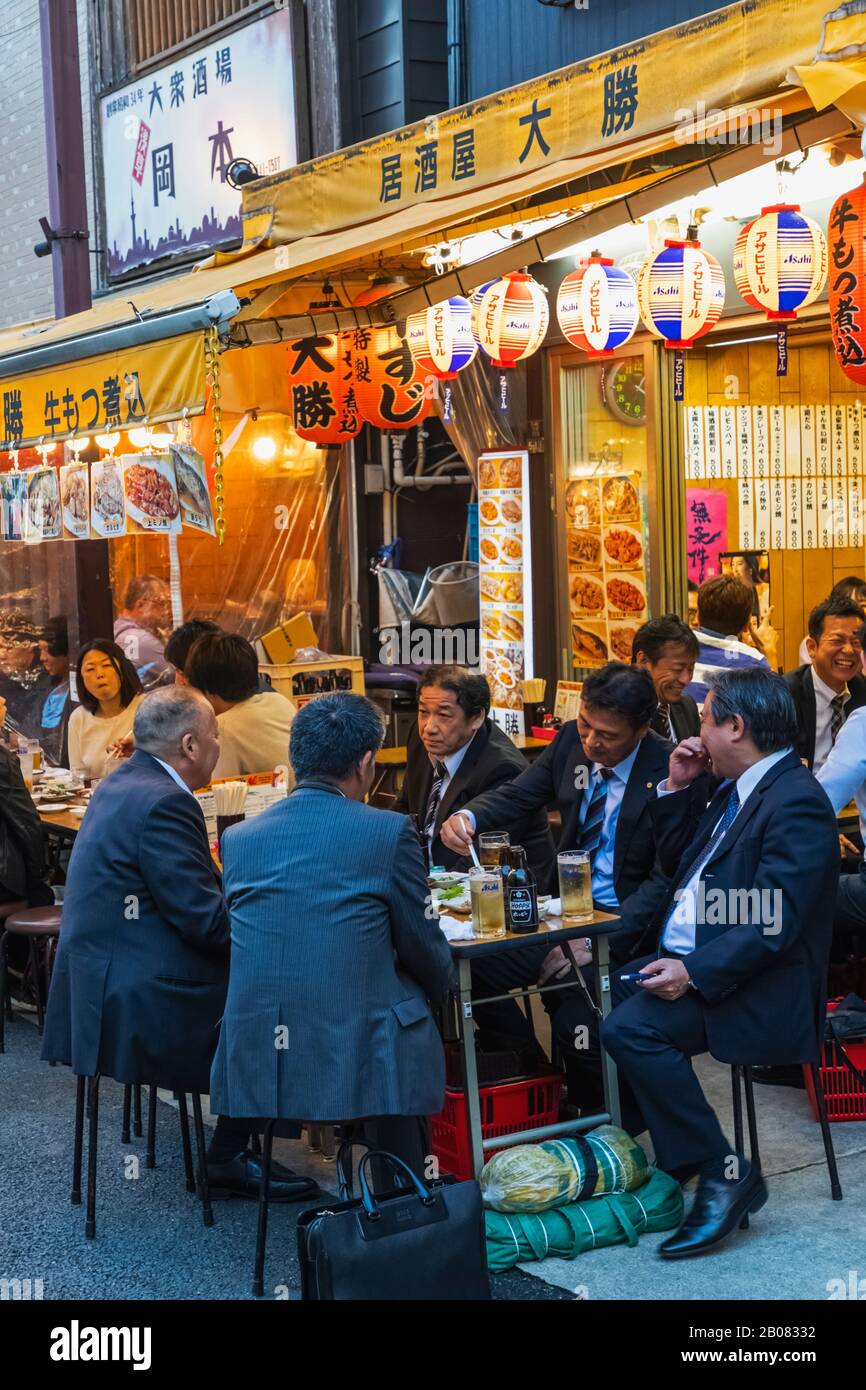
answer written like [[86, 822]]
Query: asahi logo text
[[752, 126], [730, 907], [438, 646]]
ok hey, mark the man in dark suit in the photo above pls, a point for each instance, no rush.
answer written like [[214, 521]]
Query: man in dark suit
[[456, 754], [334, 956], [140, 979], [602, 769], [742, 956], [829, 689], [667, 650]]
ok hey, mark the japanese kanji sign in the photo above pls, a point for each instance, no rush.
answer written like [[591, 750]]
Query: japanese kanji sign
[[169, 138], [707, 531]]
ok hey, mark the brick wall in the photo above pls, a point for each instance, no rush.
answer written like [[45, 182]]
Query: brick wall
[[25, 281]]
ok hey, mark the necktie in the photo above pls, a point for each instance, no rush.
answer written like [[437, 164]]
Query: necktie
[[837, 716], [440, 772], [590, 832], [667, 726], [694, 869]]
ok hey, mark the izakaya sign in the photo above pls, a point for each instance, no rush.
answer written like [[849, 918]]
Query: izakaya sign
[[169, 138]]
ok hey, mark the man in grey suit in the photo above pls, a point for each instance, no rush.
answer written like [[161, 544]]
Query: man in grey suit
[[333, 957]]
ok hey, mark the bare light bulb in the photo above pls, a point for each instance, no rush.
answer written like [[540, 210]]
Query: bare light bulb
[[264, 448]]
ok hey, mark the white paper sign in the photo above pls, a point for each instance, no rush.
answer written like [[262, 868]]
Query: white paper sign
[[809, 512], [777, 442], [793, 464], [825, 513], [855, 510], [854, 432], [778, 529], [694, 426], [747, 513], [713, 450], [822, 440], [728, 427], [761, 441], [838, 449], [744, 442], [794, 517], [808, 465], [763, 514]]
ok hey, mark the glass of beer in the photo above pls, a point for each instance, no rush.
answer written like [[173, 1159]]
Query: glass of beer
[[491, 844], [488, 902], [575, 886]]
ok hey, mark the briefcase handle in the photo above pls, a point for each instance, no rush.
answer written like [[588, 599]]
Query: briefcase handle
[[367, 1198]]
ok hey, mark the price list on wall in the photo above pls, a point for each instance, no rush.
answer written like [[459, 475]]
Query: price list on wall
[[798, 470]]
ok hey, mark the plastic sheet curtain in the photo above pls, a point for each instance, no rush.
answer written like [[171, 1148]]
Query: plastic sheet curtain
[[477, 424]]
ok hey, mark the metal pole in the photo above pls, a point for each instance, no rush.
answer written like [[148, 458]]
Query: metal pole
[[70, 257]]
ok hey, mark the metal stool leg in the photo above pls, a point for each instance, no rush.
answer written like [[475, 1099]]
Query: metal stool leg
[[184, 1139], [136, 1114], [739, 1140], [150, 1160], [826, 1134], [748, 1086], [201, 1158], [90, 1213], [264, 1193], [5, 999], [127, 1110], [37, 984], [255, 1143], [78, 1142]]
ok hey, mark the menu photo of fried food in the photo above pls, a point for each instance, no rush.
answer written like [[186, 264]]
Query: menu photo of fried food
[[75, 498], [42, 520], [625, 595], [502, 588], [488, 512], [511, 547], [582, 504], [583, 549], [588, 644], [488, 551], [150, 485], [511, 472], [586, 595], [488, 473], [107, 508], [623, 548], [622, 636], [511, 509], [192, 490], [620, 500]]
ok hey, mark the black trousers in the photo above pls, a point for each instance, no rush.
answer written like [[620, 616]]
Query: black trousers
[[504, 1024], [653, 1042], [849, 921], [405, 1136]]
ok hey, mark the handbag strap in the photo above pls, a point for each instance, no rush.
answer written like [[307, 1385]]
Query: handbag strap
[[367, 1197]]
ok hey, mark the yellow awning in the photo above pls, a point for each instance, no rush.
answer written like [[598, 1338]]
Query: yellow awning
[[837, 74]]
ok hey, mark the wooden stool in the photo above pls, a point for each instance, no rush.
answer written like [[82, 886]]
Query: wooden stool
[[35, 924]]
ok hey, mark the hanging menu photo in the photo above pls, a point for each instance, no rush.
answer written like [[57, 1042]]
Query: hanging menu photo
[[606, 553], [505, 583]]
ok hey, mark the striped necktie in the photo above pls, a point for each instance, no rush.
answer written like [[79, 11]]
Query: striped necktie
[[440, 772], [837, 715], [590, 832], [667, 725], [694, 870]]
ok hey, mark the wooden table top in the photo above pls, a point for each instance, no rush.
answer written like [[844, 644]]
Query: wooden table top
[[552, 930], [396, 757], [62, 821]]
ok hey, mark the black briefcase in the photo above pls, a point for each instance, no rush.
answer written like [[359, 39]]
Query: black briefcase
[[418, 1242]]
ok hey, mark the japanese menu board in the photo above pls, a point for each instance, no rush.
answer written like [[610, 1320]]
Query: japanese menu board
[[606, 545], [505, 563]]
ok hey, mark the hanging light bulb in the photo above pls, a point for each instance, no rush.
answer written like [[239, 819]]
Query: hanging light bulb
[[108, 442], [159, 439], [264, 448], [139, 438]]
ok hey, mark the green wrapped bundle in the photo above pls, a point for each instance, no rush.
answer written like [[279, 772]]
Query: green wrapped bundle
[[614, 1219], [539, 1177]]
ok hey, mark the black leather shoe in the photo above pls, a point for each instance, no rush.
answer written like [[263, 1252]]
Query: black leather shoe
[[242, 1177], [779, 1076], [718, 1209]]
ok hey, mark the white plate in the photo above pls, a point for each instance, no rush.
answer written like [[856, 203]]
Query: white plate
[[51, 808], [78, 810]]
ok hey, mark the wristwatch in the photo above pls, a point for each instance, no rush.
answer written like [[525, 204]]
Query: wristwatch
[[587, 941]]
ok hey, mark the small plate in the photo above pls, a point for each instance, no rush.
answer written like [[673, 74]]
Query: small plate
[[53, 808]]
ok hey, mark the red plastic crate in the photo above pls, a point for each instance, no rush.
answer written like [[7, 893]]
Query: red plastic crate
[[505, 1109], [844, 1096]]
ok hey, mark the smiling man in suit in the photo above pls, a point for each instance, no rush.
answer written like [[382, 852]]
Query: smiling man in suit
[[668, 650], [456, 754], [741, 962], [832, 687]]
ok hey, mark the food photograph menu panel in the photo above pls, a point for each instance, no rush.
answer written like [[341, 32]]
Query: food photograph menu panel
[[505, 583], [607, 580]]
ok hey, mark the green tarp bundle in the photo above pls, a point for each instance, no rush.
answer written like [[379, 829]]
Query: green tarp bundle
[[614, 1219]]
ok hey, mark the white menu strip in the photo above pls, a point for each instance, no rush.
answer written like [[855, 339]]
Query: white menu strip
[[744, 441], [825, 513], [808, 466], [822, 440], [694, 436], [763, 514], [794, 518], [792, 445], [728, 431], [747, 514], [809, 511], [713, 442], [761, 441], [778, 513], [777, 442], [839, 450]]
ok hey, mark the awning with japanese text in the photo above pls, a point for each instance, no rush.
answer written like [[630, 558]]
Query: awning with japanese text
[[119, 390]]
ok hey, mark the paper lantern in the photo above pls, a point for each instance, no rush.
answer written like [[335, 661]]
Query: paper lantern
[[442, 342], [681, 293], [780, 262], [597, 307], [511, 319], [322, 389], [389, 384], [847, 235], [475, 299]]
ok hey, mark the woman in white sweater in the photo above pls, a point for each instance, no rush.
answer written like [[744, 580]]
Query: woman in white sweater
[[109, 692]]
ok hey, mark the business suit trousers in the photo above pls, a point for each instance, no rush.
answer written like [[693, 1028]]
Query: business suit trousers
[[504, 1024], [849, 920], [652, 1041]]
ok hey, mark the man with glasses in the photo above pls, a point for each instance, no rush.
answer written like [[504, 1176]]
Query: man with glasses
[[826, 692]]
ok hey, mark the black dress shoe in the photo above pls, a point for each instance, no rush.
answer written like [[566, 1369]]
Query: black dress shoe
[[779, 1076], [242, 1177], [718, 1209]]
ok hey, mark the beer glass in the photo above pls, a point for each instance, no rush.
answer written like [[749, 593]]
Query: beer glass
[[488, 902], [491, 844], [575, 886]]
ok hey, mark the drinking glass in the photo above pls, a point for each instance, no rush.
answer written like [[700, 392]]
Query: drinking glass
[[491, 844], [488, 902], [575, 886]]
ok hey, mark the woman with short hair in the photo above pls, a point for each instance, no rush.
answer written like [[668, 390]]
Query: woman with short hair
[[109, 692]]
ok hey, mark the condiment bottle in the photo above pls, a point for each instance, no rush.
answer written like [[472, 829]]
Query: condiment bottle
[[521, 894]]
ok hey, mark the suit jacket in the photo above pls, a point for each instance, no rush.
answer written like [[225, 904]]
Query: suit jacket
[[140, 977], [560, 774], [490, 761], [22, 843], [763, 977], [685, 718], [802, 688], [332, 951]]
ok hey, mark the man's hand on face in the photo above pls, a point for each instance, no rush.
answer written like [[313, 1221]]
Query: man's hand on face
[[688, 760], [670, 979], [456, 833]]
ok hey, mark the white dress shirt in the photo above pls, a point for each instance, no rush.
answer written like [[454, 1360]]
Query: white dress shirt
[[679, 934], [844, 773], [603, 891], [824, 695]]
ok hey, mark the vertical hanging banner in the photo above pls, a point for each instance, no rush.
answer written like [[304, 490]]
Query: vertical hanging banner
[[854, 433], [822, 441], [713, 448], [793, 507], [679, 375], [706, 532], [778, 529], [839, 470], [825, 513], [728, 427], [761, 441], [809, 514], [777, 442], [745, 492], [793, 451], [744, 442], [763, 514], [505, 584], [694, 428], [808, 464]]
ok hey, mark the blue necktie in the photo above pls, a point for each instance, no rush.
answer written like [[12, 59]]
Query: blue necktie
[[694, 869], [590, 832]]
